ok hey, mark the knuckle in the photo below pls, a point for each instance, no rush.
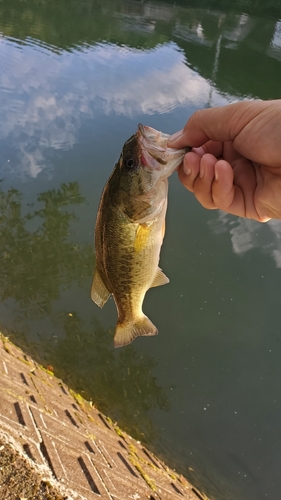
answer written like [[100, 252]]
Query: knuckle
[[204, 195], [205, 200]]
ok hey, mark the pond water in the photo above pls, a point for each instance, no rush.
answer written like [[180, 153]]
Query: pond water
[[76, 78]]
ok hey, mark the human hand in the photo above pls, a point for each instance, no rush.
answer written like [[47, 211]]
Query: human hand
[[235, 163]]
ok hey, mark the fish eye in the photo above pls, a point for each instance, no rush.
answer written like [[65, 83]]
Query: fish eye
[[130, 163]]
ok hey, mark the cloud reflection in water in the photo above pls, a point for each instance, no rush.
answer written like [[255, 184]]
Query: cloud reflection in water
[[46, 96], [249, 234]]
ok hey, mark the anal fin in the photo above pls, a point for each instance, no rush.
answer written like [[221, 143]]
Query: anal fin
[[99, 292], [160, 278]]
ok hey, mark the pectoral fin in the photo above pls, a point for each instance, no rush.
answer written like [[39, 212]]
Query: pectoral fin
[[160, 278], [99, 292], [142, 237]]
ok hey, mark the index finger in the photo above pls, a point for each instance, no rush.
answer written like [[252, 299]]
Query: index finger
[[220, 124]]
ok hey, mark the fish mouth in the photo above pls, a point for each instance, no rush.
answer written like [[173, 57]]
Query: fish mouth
[[155, 154], [154, 142]]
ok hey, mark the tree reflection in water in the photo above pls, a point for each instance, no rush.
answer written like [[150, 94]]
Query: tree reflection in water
[[40, 263]]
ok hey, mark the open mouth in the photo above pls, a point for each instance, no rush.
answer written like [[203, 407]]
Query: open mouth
[[153, 142], [155, 155]]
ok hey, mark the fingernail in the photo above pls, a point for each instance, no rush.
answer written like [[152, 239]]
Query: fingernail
[[175, 136], [202, 171], [186, 170], [216, 173]]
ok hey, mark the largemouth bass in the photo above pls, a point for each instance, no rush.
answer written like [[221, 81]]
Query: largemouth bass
[[130, 228]]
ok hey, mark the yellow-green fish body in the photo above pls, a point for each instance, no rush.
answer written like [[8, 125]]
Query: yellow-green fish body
[[130, 228]]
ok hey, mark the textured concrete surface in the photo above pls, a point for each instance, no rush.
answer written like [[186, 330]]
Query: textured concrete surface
[[70, 445]]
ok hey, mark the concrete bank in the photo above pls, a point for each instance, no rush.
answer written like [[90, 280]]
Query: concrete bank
[[54, 445]]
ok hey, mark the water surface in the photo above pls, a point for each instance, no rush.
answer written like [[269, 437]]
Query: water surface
[[76, 78]]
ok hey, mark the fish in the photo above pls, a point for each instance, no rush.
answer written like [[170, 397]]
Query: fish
[[130, 228]]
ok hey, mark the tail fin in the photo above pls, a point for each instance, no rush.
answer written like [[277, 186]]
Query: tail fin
[[126, 333]]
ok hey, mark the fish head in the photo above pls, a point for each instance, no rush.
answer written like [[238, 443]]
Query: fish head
[[145, 158], [144, 166], [156, 156]]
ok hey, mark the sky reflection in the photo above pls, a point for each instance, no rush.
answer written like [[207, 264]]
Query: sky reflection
[[45, 97], [248, 234]]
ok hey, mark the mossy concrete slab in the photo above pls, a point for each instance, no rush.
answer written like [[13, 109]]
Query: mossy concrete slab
[[59, 446]]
